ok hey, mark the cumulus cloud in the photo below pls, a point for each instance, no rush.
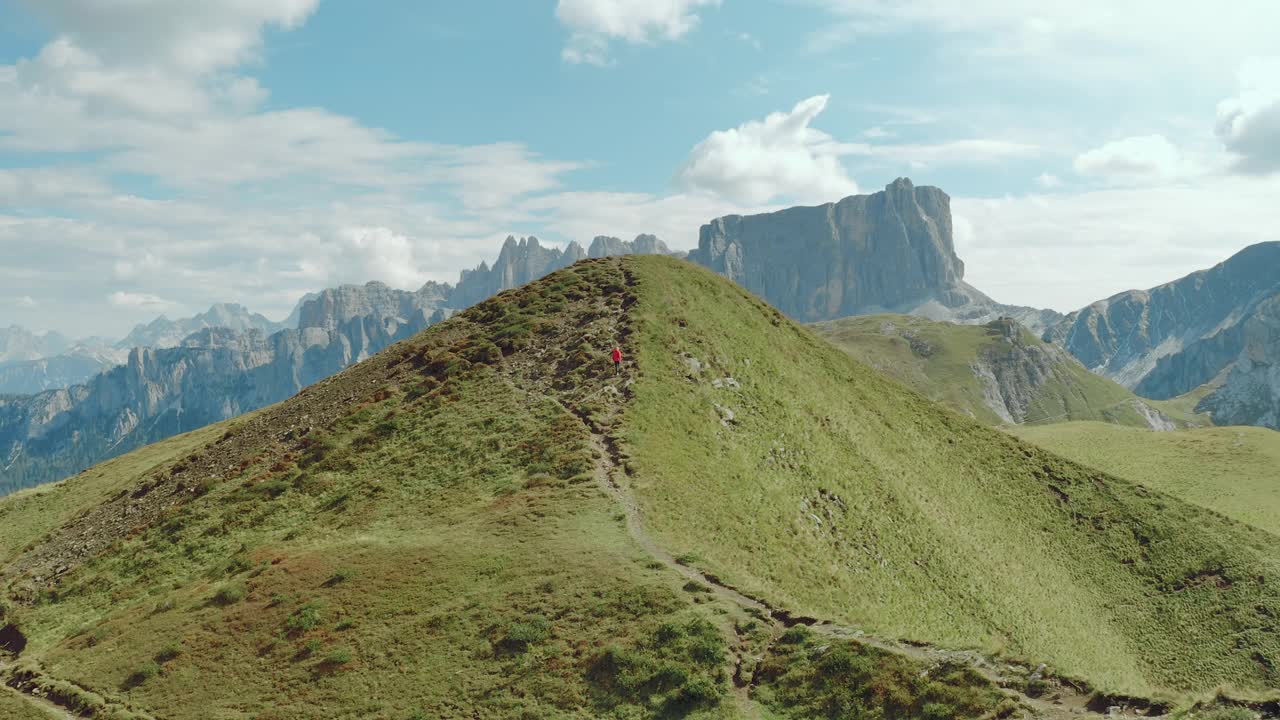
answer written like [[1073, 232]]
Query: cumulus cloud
[[1249, 123], [26, 301], [594, 23], [1145, 157], [193, 38], [780, 156]]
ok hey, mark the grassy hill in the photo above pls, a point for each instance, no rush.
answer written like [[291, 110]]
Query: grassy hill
[[486, 521], [998, 373], [1232, 470]]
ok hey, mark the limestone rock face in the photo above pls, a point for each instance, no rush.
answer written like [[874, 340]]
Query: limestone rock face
[[1173, 338], [891, 251], [605, 246], [214, 374], [518, 262], [1250, 392], [334, 307], [863, 254]]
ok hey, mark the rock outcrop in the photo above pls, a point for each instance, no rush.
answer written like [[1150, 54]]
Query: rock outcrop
[[518, 262], [1212, 326], [891, 251], [998, 372], [605, 246], [1250, 391]]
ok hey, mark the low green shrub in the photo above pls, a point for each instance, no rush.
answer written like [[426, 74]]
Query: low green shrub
[[230, 594]]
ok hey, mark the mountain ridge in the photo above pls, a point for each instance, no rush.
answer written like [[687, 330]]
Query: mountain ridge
[[444, 520]]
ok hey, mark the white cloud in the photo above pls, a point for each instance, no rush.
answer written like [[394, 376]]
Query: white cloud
[[1145, 157], [778, 157], [1249, 123], [26, 301], [185, 37], [1048, 181], [877, 133], [594, 23], [120, 298], [674, 218], [1066, 250], [1098, 36]]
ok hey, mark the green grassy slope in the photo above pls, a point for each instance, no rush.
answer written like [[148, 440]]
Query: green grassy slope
[[433, 546], [425, 535], [1233, 470], [838, 493], [439, 532], [936, 359], [12, 707]]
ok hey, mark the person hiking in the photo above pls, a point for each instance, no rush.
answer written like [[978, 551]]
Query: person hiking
[[616, 355]]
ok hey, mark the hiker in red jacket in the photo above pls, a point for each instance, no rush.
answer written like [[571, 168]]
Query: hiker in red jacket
[[617, 360]]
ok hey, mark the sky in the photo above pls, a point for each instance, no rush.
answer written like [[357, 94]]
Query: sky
[[157, 156]]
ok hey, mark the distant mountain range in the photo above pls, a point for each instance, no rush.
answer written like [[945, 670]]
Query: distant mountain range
[[217, 372], [1213, 333]]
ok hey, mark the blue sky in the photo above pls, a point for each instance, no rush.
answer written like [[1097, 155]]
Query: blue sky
[[158, 156]]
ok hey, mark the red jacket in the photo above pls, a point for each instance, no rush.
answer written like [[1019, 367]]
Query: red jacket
[[617, 355]]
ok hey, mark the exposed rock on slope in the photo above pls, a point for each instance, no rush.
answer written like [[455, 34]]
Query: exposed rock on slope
[[891, 251], [1171, 339], [1250, 392]]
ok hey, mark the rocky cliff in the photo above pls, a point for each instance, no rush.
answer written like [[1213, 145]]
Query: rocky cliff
[[214, 374], [518, 262], [1212, 326], [1249, 393], [333, 307], [606, 246], [891, 251]]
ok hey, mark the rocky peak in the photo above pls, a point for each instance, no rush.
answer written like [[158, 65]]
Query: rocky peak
[[606, 246], [1008, 328], [866, 253]]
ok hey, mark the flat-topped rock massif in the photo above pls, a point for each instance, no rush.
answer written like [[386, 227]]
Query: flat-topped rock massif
[[888, 252], [863, 254]]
